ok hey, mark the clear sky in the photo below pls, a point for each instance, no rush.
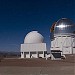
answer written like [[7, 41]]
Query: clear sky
[[18, 17]]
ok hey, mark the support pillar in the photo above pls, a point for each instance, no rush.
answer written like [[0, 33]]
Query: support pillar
[[29, 55], [43, 54], [22, 54], [37, 54]]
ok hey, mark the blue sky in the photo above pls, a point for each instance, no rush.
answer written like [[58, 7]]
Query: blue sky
[[18, 17]]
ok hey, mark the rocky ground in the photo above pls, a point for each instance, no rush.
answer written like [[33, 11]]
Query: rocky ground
[[40, 66]]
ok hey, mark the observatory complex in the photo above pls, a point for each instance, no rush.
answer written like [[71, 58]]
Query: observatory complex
[[63, 37], [62, 41], [34, 46]]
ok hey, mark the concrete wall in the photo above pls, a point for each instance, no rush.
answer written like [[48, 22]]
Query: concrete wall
[[33, 47], [63, 43], [33, 50], [73, 50]]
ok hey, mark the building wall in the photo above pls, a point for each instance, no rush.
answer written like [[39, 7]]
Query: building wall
[[73, 50], [33, 50], [63, 43], [33, 47]]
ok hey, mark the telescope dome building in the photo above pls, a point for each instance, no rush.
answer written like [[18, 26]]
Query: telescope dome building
[[63, 38], [64, 26], [34, 37], [34, 46]]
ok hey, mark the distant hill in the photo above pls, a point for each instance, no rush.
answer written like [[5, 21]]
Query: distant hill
[[9, 54], [74, 32]]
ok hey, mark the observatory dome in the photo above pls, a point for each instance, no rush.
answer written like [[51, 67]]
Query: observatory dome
[[33, 37], [63, 26]]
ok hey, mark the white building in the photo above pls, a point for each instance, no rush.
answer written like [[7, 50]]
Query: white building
[[34, 46], [63, 38]]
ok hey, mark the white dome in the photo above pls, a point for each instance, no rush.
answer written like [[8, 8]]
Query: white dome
[[33, 37]]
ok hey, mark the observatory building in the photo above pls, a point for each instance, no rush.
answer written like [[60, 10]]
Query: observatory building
[[34, 46], [63, 37]]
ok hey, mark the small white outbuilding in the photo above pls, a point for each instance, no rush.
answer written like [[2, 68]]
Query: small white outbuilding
[[34, 46]]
